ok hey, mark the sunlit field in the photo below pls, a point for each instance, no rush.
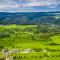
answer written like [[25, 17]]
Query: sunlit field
[[29, 42]]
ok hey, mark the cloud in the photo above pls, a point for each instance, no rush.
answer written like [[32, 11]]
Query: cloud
[[28, 5], [48, 3]]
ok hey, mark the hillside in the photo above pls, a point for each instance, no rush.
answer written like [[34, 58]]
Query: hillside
[[30, 36], [30, 18], [37, 40]]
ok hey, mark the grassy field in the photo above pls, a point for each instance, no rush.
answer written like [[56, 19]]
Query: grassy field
[[44, 44]]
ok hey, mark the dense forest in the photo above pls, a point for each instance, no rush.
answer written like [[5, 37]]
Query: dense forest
[[30, 18]]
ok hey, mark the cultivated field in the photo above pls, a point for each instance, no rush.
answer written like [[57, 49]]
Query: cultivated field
[[29, 42]]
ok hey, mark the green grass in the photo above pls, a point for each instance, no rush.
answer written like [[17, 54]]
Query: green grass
[[56, 39]]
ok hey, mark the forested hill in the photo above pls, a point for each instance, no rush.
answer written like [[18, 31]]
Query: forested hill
[[30, 18]]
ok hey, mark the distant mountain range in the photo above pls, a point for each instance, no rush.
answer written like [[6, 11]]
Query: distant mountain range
[[30, 18]]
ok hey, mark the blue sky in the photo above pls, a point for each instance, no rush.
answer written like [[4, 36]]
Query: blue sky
[[29, 5]]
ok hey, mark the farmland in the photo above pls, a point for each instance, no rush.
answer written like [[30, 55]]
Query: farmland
[[30, 42]]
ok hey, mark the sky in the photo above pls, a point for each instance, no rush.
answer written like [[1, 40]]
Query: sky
[[29, 5]]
